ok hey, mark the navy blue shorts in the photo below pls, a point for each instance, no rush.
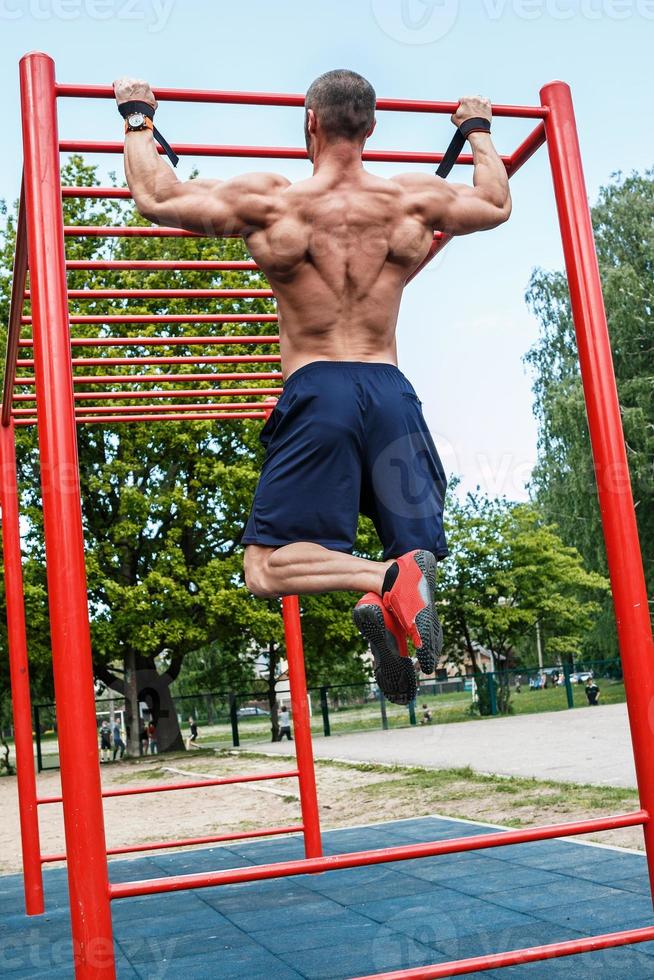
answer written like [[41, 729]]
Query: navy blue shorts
[[349, 437]]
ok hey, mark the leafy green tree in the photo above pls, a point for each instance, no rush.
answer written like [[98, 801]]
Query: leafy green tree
[[564, 481], [507, 569], [164, 503]]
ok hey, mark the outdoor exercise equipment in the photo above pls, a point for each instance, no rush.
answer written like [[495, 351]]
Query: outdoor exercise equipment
[[50, 389]]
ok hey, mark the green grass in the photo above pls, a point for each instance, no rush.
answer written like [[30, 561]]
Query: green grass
[[458, 791]]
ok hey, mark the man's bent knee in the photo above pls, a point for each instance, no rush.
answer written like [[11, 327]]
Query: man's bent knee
[[256, 571]]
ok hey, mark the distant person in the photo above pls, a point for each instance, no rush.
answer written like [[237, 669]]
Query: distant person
[[285, 725], [191, 741], [153, 739], [105, 741], [516, 685], [119, 745], [426, 715], [592, 692], [143, 739]]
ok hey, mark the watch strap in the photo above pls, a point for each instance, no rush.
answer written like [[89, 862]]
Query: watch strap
[[135, 105], [451, 155]]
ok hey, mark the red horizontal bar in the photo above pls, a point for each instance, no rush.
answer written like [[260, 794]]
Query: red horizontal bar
[[187, 842], [179, 359], [100, 410], [359, 859], [267, 152], [181, 417], [110, 379], [107, 794], [516, 957], [282, 99], [195, 265], [164, 341], [178, 393], [114, 420], [95, 294], [128, 231], [143, 231], [527, 148], [97, 192], [172, 318]]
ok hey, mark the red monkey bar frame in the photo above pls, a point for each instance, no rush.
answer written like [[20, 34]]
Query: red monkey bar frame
[[60, 407]]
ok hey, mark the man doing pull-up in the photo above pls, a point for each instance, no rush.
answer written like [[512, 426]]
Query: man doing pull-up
[[348, 434]]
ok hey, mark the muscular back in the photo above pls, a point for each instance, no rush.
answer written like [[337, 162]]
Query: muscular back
[[337, 253], [337, 248]]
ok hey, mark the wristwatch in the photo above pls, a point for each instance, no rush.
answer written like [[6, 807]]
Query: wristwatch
[[136, 121]]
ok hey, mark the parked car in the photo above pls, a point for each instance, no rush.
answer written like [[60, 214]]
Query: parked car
[[581, 676], [248, 712]]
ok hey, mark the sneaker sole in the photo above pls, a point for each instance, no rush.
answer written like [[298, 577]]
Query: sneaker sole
[[427, 621], [395, 675]]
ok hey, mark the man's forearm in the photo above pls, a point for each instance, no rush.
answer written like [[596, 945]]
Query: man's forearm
[[151, 181], [489, 175]]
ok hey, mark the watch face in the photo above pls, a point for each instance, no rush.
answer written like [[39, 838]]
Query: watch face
[[135, 120]]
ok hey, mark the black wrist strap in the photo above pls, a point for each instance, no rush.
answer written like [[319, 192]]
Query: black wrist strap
[[127, 108], [452, 153]]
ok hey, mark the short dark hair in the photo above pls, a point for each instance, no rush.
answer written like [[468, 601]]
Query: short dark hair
[[344, 103]]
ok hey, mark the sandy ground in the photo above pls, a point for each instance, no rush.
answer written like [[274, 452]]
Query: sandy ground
[[348, 796]]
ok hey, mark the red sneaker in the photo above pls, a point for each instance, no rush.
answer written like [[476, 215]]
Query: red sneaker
[[408, 593], [394, 670]]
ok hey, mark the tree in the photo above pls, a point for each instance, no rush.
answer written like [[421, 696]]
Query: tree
[[507, 569], [163, 503], [563, 480]]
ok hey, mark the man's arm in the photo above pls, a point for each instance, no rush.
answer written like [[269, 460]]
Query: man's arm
[[458, 209], [209, 207]]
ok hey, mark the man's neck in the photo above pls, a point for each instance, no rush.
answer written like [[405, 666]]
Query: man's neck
[[342, 157]]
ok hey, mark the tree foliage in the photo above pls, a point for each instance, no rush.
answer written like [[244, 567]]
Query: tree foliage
[[564, 480], [164, 503], [507, 570]]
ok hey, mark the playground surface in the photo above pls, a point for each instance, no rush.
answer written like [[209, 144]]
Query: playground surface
[[356, 922], [589, 745]]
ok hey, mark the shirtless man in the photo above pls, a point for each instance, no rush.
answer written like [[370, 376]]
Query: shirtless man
[[347, 434]]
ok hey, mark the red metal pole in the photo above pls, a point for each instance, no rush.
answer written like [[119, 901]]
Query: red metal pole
[[607, 439], [516, 957], [64, 541], [284, 99], [19, 674], [302, 726], [188, 842], [383, 855], [266, 152], [15, 310]]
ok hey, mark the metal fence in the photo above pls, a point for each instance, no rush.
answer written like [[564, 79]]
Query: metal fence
[[232, 719]]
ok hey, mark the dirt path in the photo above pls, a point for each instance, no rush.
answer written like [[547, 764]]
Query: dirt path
[[587, 745]]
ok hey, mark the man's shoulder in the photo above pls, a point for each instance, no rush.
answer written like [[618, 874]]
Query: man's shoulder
[[262, 182]]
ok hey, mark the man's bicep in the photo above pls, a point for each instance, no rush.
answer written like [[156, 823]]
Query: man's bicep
[[463, 210]]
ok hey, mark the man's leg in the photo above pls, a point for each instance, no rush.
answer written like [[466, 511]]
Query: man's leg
[[305, 568]]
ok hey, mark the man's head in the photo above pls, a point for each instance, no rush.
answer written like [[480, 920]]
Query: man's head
[[339, 105]]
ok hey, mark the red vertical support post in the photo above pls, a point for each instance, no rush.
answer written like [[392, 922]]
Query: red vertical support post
[[64, 542], [19, 675], [302, 726], [607, 440]]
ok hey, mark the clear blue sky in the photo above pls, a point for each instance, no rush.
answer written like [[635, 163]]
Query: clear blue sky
[[464, 326]]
